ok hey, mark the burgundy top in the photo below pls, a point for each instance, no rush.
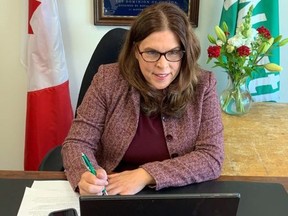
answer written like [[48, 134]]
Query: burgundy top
[[148, 145]]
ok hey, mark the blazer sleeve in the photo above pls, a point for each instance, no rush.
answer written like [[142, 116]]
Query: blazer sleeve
[[85, 132]]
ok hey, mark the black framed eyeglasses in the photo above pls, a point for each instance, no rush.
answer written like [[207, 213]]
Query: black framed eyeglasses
[[154, 56]]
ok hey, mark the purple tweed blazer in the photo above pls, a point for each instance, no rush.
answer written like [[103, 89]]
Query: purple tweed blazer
[[107, 121]]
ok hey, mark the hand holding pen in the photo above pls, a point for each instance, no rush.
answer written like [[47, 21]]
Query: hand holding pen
[[89, 166]]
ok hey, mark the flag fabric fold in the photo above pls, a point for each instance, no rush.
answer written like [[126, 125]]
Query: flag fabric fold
[[263, 86], [49, 112]]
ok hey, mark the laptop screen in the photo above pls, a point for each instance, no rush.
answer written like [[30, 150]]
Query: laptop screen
[[214, 204]]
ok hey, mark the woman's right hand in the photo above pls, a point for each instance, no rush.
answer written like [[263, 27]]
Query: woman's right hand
[[91, 184]]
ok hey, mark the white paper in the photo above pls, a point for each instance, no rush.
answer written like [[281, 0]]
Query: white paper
[[47, 196], [54, 185]]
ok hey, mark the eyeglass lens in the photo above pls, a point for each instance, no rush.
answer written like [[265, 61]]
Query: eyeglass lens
[[153, 56]]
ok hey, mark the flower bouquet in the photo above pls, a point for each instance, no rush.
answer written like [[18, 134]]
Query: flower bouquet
[[239, 56]]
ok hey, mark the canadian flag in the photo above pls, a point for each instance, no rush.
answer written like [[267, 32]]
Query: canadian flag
[[49, 111]]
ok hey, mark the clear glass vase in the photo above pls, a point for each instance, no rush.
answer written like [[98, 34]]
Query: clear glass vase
[[236, 98]]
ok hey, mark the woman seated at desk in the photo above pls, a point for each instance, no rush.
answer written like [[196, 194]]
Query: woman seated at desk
[[153, 118]]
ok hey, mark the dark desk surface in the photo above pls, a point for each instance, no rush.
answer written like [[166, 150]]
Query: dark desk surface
[[60, 175], [257, 198]]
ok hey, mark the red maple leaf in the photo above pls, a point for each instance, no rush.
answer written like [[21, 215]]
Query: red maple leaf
[[33, 4]]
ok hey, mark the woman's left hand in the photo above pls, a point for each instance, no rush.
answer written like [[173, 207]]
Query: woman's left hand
[[128, 182]]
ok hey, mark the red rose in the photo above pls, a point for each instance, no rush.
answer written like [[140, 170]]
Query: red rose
[[214, 51], [264, 32], [243, 50]]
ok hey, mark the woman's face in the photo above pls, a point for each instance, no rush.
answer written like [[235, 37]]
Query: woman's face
[[161, 73]]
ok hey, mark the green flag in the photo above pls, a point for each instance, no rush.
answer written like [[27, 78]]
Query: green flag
[[263, 86]]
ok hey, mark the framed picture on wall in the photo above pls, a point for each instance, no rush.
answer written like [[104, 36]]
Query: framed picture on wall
[[123, 12]]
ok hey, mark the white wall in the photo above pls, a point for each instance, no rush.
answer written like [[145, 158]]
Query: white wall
[[80, 38]]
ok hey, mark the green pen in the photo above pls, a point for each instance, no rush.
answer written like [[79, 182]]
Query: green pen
[[91, 169]]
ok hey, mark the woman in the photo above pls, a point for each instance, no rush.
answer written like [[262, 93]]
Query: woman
[[153, 118]]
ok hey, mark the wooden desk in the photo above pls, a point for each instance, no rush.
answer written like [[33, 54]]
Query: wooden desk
[[7, 174], [15, 174], [256, 144], [257, 199], [253, 195]]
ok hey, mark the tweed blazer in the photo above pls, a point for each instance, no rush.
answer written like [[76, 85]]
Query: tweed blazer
[[107, 121]]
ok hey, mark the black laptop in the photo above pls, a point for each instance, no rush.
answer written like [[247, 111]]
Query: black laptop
[[203, 204]]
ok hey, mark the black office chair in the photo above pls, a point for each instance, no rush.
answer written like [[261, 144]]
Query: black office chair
[[52, 160], [106, 51]]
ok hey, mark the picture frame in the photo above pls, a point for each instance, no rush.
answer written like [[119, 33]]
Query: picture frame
[[123, 12]]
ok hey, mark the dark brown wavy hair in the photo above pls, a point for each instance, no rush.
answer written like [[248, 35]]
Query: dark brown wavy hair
[[173, 100]]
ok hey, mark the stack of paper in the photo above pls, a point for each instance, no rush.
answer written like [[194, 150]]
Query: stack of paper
[[47, 196]]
